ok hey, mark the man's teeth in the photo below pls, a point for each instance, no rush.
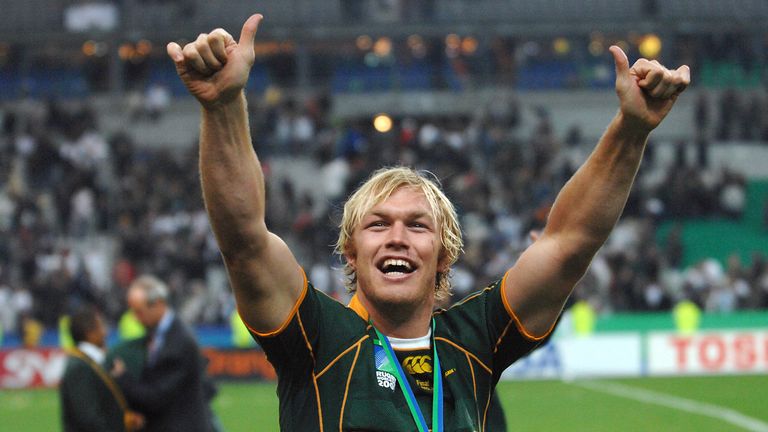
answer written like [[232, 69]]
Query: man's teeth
[[396, 265], [397, 262]]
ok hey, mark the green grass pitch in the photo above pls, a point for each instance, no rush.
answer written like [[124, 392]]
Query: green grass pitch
[[701, 404]]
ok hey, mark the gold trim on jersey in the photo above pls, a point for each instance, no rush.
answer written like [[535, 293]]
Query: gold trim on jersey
[[314, 364], [349, 380], [325, 369], [357, 306], [290, 316], [520, 326]]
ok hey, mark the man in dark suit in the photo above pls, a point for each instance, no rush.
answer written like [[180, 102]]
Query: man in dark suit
[[90, 398], [171, 389]]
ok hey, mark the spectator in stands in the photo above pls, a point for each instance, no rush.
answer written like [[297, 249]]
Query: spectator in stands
[[729, 112], [732, 194], [156, 101], [702, 119], [38, 183], [7, 311]]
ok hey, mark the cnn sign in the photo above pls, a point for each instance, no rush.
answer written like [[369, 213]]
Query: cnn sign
[[23, 368]]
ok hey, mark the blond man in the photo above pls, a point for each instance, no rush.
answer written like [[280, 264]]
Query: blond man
[[388, 361]]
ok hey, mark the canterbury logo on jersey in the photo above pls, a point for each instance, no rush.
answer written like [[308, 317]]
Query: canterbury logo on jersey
[[419, 364]]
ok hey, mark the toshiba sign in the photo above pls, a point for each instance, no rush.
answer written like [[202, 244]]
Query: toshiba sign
[[721, 352]]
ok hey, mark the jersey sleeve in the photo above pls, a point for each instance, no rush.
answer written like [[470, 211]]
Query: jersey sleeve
[[290, 347], [485, 325], [316, 330]]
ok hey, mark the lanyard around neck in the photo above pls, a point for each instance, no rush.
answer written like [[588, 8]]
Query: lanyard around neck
[[437, 384], [106, 378]]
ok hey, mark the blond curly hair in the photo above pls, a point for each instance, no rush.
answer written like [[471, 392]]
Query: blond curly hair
[[379, 186]]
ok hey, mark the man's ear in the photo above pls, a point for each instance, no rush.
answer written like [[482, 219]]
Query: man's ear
[[351, 256], [443, 263], [443, 269]]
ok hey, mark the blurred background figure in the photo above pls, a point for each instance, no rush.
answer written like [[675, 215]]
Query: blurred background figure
[[171, 388], [91, 401]]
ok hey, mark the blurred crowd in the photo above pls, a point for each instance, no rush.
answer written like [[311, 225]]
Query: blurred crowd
[[82, 213]]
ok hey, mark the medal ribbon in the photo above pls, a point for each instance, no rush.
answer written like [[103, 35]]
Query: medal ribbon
[[410, 398]]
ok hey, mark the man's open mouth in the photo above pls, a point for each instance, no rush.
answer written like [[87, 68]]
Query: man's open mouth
[[395, 267]]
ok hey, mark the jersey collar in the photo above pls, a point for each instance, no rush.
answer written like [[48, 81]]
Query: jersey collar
[[356, 305]]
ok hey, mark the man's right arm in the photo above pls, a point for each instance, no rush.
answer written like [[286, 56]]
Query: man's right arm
[[263, 272]]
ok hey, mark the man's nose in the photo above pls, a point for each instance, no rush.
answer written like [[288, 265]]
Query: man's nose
[[398, 235]]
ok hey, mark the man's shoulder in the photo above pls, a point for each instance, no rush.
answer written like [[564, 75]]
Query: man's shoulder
[[330, 306], [76, 369], [180, 329], [472, 300], [469, 322], [74, 360]]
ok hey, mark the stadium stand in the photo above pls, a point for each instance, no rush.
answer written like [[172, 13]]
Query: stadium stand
[[94, 189]]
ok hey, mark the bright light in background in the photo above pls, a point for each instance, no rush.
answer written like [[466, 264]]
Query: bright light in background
[[383, 47], [128, 51], [92, 48], [596, 48], [624, 45], [469, 45], [125, 51], [364, 43], [650, 46], [596, 44], [144, 47], [452, 45], [453, 41], [89, 48], [382, 123], [561, 46]]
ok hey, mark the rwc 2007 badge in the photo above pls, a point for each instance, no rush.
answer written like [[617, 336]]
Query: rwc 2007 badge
[[384, 369]]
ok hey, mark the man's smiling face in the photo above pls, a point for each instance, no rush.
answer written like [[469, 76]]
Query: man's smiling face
[[396, 249]]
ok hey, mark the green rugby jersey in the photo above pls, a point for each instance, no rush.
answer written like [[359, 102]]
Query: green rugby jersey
[[327, 378]]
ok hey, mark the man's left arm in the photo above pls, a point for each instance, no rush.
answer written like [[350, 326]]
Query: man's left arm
[[590, 203]]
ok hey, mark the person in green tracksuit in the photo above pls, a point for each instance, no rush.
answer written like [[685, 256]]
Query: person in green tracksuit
[[90, 399], [389, 361]]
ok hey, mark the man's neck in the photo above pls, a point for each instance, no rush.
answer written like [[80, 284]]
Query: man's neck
[[411, 344], [164, 323], [398, 320]]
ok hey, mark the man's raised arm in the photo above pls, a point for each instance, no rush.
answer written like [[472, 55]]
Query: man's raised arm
[[588, 206], [262, 270]]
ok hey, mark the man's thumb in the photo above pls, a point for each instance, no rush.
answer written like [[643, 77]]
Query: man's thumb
[[621, 61], [248, 33]]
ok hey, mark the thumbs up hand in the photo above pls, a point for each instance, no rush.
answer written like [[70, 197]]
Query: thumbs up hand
[[215, 67], [648, 90]]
